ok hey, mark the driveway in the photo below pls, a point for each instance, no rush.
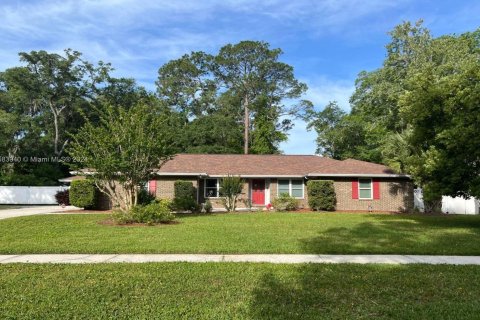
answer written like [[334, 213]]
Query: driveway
[[33, 210]]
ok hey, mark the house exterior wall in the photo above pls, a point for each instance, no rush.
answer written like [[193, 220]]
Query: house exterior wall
[[396, 195], [165, 186], [217, 202], [302, 203]]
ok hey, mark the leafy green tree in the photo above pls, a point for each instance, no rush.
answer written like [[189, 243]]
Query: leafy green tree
[[230, 189], [267, 132], [52, 88], [240, 82], [441, 104], [186, 84], [418, 113], [123, 150], [252, 70], [47, 99]]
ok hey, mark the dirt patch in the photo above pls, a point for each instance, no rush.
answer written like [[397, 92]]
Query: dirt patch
[[89, 211], [110, 222]]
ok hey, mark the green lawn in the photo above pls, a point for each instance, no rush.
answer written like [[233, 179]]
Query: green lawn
[[238, 291], [247, 233]]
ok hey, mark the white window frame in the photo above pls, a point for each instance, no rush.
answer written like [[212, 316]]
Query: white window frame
[[205, 188], [371, 189], [290, 188]]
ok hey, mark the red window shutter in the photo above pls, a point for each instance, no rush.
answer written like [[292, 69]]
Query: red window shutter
[[355, 189], [376, 189], [152, 187]]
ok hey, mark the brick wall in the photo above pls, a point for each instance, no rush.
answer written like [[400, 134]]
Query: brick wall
[[217, 202], [396, 195], [165, 186], [302, 203]]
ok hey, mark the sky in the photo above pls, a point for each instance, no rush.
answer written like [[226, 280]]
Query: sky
[[328, 42]]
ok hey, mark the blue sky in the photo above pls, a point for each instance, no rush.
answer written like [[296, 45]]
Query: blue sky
[[328, 42]]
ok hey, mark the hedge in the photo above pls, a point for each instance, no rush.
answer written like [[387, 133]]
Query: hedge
[[321, 195], [82, 193], [185, 195]]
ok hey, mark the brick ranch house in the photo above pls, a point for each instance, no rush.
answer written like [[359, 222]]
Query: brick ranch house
[[359, 185]]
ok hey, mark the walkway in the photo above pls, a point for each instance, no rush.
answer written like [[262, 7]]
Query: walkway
[[33, 210], [269, 258]]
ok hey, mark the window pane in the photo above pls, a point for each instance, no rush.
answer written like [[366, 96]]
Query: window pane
[[365, 194], [297, 188], [297, 184], [283, 186], [297, 193], [211, 188], [365, 183], [211, 183]]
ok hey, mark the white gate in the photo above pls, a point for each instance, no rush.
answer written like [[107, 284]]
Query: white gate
[[28, 195]]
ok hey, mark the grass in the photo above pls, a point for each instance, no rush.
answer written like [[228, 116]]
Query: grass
[[247, 233], [238, 291]]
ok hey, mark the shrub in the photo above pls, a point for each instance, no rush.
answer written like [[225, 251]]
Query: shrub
[[145, 197], [159, 211], [62, 197], [185, 196], [230, 188], [82, 193], [321, 195], [207, 206], [285, 202]]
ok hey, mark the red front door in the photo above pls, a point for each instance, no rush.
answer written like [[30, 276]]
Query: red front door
[[258, 192]]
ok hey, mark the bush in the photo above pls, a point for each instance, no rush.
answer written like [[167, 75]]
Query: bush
[[82, 193], [207, 206], [62, 197], [230, 188], [159, 211], [321, 195], [285, 202], [145, 197], [185, 196]]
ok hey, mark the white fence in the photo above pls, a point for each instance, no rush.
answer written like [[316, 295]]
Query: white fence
[[28, 195], [456, 205]]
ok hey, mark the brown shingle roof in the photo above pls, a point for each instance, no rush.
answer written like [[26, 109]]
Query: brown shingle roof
[[268, 165]]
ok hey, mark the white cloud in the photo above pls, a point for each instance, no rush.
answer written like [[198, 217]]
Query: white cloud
[[322, 90]]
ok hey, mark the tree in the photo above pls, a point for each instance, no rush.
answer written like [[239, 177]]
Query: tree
[[54, 88], [230, 189], [186, 84], [342, 136], [240, 82], [252, 70], [418, 113], [375, 117], [123, 150], [441, 105]]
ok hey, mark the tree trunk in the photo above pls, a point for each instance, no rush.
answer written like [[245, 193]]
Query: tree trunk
[[247, 123]]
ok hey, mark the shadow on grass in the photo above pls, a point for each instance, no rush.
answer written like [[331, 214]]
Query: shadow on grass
[[401, 234], [366, 292]]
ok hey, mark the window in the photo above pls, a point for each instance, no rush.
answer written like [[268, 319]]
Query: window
[[212, 187], [365, 188], [293, 188], [283, 186]]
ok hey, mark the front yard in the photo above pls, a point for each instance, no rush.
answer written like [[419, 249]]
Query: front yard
[[335, 233], [238, 291]]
